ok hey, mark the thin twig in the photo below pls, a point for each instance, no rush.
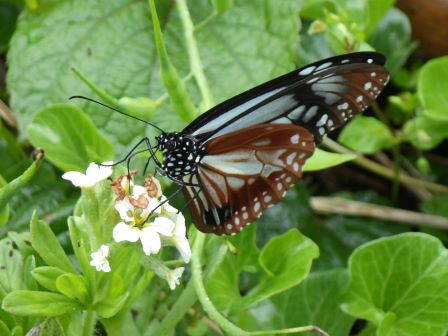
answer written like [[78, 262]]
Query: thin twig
[[7, 115], [410, 182], [327, 205]]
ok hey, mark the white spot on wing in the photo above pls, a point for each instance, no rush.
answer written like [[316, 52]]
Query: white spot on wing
[[323, 66], [297, 112], [307, 71], [294, 139], [312, 111]]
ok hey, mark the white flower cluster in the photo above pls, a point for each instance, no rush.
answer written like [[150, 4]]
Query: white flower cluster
[[146, 216], [166, 225]]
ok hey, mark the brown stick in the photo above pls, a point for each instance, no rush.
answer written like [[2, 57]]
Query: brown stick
[[327, 205]]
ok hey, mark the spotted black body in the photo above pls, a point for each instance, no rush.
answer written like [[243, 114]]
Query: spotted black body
[[181, 153]]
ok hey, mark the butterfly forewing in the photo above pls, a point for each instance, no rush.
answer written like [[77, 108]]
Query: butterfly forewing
[[244, 172], [324, 85]]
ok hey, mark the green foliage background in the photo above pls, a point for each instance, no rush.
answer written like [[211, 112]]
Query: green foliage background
[[343, 274]]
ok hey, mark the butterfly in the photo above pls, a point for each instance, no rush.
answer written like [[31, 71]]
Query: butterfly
[[241, 156]]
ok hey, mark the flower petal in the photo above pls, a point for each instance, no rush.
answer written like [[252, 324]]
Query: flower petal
[[124, 232], [183, 246], [163, 225], [78, 179], [180, 229], [124, 207], [97, 172], [173, 277], [150, 241]]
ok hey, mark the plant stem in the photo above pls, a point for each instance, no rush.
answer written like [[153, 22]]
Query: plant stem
[[89, 323], [196, 269], [177, 312], [310, 328], [362, 161], [195, 59]]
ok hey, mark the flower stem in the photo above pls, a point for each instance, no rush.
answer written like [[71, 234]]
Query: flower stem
[[89, 323], [193, 52], [177, 312], [310, 328], [196, 269]]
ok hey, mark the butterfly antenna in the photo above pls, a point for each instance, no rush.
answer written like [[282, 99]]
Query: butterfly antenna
[[116, 110]]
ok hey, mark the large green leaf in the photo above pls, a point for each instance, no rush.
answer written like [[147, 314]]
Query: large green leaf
[[34, 303], [314, 301], [366, 135], [112, 44], [68, 137], [399, 285], [262, 278], [322, 160], [392, 37], [47, 246], [433, 87]]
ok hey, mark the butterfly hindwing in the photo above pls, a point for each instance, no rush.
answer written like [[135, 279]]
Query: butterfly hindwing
[[244, 172]]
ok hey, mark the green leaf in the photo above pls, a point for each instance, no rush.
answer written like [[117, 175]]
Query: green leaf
[[15, 185], [424, 132], [366, 135], [46, 276], [51, 327], [109, 307], [69, 137], [314, 301], [33, 303], [45, 243], [323, 160], [432, 88], [223, 282], [399, 284], [80, 244], [392, 37], [73, 286], [112, 44], [4, 330], [222, 5], [296, 253], [11, 268]]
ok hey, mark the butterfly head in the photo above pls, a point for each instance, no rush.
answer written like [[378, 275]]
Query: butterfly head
[[181, 153]]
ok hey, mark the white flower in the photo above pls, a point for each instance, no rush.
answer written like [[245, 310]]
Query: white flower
[[93, 175], [99, 259], [149, 234], [178, 237], [173, 277], [146, 206]]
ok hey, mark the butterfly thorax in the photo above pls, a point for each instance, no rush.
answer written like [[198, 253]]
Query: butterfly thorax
[[181, 153]]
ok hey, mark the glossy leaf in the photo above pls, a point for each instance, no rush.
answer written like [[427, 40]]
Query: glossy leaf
[[45, 243], [259, 274], [119, 57], [73, 286], [33, 303], [46, 276], [399, 284], [296, 253], [366, 135], [322, 160], [434, 97], [315, 301], [425, 132], [69, 138], [392, 37]]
